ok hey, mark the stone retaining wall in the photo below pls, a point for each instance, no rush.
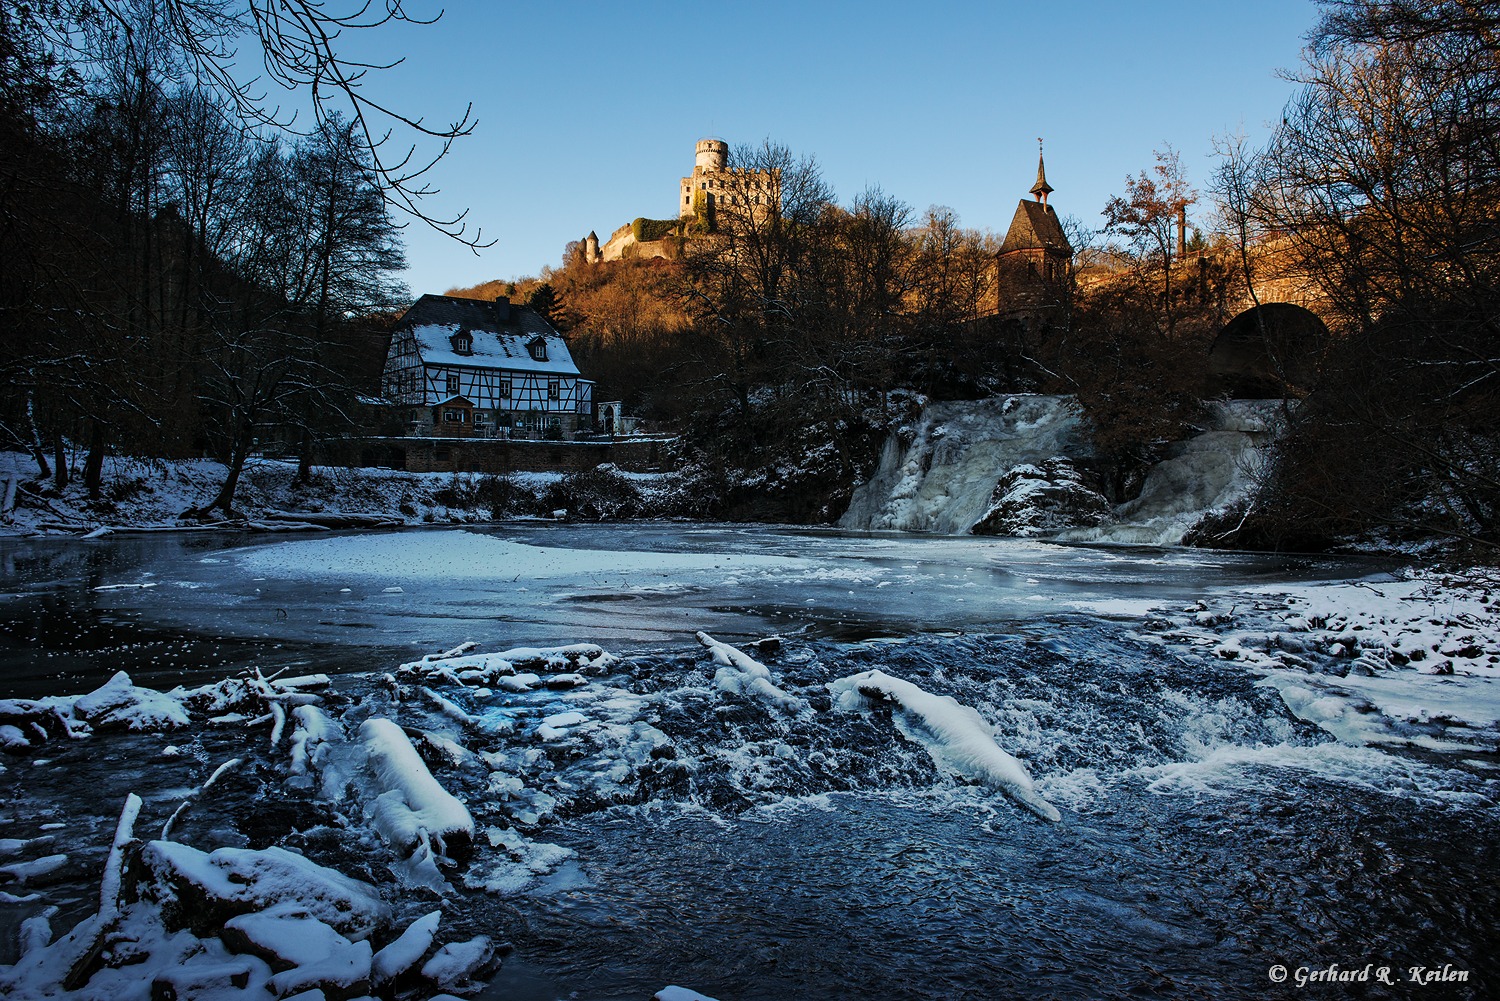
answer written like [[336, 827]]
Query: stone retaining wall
[[484, 455]]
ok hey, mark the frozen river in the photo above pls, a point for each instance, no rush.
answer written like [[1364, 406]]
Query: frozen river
[[151, 603], [678, 832]]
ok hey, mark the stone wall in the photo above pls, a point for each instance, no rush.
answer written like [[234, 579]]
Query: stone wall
[[480, 455]]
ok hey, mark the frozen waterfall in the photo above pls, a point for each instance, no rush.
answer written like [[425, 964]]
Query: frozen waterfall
[[944, 481]]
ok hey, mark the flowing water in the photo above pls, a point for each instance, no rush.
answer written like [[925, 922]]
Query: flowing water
[[685, 834]]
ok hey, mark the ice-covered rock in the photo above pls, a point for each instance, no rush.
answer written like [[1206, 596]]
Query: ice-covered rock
[[675, 993], [29, 723], [305, 953], [119, 704], [454, 965], [34, 870], [206, 889], [1041, 498], [956, 736]]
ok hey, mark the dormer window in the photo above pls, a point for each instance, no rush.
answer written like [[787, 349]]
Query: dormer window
[[538, 349], [463, 343]]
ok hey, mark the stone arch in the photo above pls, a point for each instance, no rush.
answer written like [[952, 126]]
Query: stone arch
[[1269, 351]]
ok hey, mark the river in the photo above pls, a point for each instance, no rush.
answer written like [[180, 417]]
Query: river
[[684, 836]]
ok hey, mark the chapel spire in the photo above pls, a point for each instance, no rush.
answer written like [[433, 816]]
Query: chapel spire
[[1041, 188]]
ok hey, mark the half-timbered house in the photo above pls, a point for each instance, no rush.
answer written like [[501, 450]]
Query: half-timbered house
[[471, 368]]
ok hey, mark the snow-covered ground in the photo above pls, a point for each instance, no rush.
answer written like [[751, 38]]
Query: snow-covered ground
[[1410, 661], [154, 493]]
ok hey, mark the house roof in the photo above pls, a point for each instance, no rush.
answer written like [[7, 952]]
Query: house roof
[[502, 334], [1035, 227]]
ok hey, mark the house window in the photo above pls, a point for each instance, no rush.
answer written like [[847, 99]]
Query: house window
[[452, 385], [538, 349], [505, 389], [480, 419], [554, 389], [463, 343], [453, 415]]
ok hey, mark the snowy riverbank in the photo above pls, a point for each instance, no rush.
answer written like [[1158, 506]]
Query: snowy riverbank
[[152, 494]]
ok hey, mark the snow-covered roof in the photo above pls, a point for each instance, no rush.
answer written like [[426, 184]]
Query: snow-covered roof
[[502, 335]]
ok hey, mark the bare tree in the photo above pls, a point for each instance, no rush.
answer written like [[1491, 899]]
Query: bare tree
[[1382, 180], [1147, 216], [298, 42]]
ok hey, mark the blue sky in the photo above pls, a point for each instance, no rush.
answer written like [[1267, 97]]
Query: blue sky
[[588, 111]]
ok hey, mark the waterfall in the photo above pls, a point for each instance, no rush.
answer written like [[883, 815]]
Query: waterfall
[[944, 480], [1207, 472]]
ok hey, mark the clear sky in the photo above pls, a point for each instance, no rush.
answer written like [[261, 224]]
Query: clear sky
[[588, 112]]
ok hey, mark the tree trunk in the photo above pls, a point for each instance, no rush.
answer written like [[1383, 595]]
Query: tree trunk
[[304, 458], [93, 465], [239, 451], [40, 455], [60, 464]]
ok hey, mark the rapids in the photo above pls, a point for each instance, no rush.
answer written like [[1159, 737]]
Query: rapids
[[659, 820]]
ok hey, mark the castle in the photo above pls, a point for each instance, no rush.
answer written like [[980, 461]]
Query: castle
[[712, 187]]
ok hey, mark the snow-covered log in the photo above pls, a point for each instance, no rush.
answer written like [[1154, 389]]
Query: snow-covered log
[[743, 674], [414, 803], [956, 736], [460, 667], [326, 519]]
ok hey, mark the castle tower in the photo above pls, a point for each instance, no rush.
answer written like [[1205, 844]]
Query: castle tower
[[700, 191], [712, 154], [591, 248]]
